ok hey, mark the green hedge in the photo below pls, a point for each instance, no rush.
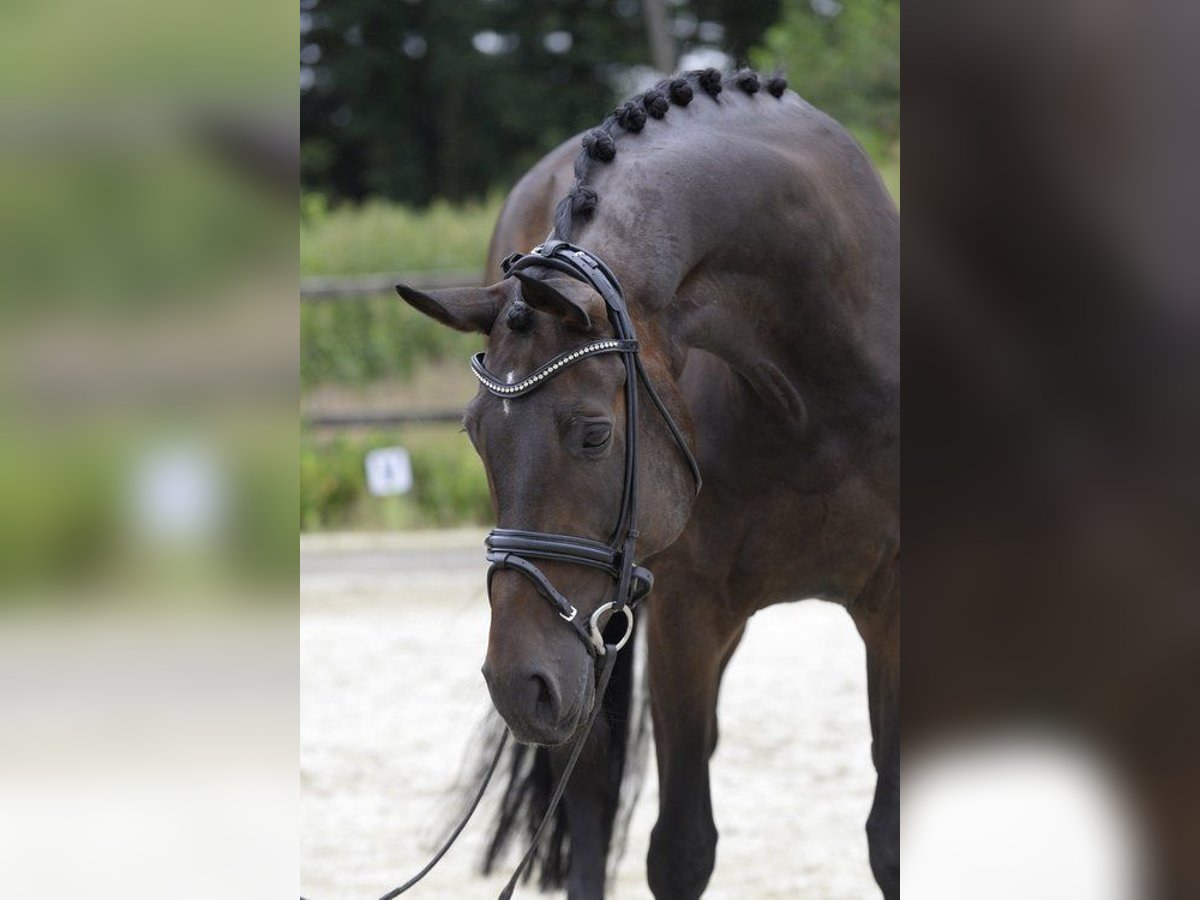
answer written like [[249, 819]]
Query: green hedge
[[368, 339], [449, 485], [361, 340], [379, 236]]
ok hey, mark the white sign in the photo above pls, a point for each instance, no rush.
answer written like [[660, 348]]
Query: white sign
[[389, 471]]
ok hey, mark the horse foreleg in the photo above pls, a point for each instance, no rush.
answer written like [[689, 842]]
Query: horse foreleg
[[589, 818], [879, 624], [690, 643]]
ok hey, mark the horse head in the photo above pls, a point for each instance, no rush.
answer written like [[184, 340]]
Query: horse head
[[555, 449]]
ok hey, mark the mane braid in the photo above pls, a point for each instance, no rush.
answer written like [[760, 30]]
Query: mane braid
[[600, 144]]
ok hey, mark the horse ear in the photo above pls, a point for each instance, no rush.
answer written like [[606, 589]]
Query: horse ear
[[466, 309], [569, 300]]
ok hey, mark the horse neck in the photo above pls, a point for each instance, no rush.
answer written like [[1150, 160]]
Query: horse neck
[[798, 312]]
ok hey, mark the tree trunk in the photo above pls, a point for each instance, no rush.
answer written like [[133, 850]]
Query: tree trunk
[[662, 48]]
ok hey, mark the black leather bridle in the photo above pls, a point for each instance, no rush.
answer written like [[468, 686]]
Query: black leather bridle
[[512, 549]]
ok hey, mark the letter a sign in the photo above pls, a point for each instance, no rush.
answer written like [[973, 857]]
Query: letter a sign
[[389, 471]]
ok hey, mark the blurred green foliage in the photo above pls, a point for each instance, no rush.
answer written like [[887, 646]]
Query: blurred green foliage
[[444, 98], [414, 101], [61, 511], [379, 236], [359, 340], [166, 55], [889, 171], [362, 340], [102, 233], [69, 520], [147, 264], [843, 57], [449, 485]]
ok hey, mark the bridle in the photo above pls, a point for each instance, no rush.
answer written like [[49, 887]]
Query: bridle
[[514, 550]]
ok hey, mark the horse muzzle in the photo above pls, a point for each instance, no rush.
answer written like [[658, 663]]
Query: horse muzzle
[[538, 706]]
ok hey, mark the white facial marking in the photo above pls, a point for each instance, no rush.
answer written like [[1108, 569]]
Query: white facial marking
[[508, 379]]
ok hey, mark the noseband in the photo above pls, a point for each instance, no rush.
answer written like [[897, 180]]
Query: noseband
[[512, 549]]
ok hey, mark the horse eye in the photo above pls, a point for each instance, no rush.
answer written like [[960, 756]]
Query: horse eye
[[596, 436]]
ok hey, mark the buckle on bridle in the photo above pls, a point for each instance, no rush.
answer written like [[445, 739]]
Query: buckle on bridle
[[594, 633]]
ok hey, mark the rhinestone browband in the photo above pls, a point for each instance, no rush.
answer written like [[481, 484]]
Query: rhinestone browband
[[525, 385]]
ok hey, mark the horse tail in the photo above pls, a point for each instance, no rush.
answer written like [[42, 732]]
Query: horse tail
[[619, 740]]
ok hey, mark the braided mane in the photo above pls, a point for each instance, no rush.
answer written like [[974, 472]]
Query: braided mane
[[600, 146]]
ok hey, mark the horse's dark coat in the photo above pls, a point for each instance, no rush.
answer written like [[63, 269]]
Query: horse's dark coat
[[759, 253]]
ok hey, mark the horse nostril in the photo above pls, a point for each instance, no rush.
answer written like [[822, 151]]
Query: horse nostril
[[530, 701], [546, 698]]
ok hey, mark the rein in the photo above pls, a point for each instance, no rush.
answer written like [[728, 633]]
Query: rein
[[513, 549]]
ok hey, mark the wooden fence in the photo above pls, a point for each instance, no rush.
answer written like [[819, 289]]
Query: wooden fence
[[346, 419], [356, 287]]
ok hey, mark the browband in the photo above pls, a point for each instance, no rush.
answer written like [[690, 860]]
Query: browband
[[537, 378]]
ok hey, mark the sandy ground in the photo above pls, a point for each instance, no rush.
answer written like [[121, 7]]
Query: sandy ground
[[393, 632]]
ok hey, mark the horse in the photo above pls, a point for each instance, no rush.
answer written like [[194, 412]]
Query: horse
[[758, 252]]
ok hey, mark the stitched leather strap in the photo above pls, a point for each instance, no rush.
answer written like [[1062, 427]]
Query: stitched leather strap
[[558, 547]]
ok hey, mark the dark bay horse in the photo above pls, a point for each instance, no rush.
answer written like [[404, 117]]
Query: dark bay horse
[[759, 255]]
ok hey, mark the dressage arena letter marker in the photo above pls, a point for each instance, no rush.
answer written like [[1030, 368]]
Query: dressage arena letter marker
[[389, 471]]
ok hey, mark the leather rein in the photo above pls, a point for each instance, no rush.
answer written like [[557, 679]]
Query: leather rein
[[515, 550]]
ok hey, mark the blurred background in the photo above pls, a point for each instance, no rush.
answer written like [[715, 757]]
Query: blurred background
[[416, 119], [150, 309], [148, 360]]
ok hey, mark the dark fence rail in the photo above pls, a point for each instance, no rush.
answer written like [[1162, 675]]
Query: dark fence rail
[[344, 419], [352, 287]]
